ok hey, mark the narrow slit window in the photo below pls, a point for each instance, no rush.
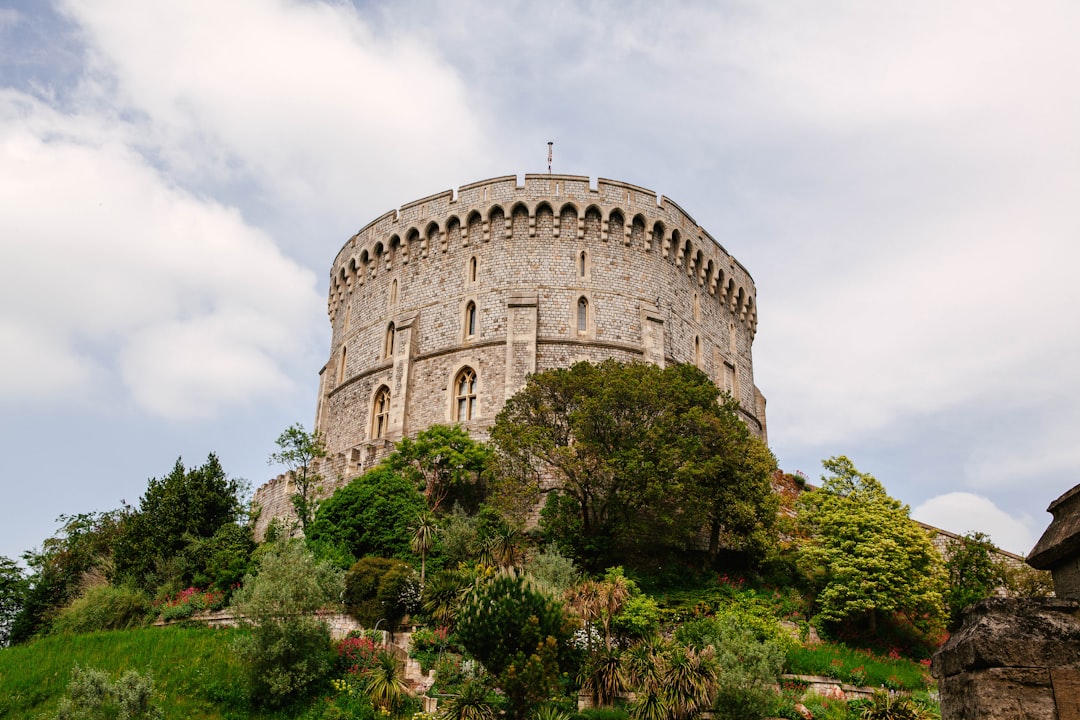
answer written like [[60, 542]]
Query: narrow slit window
[[472, 269], [582, 315], [393, 292], [470, 319], [388, 348], [582, 260]]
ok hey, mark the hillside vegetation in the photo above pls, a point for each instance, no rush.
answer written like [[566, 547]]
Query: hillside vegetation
[[675, 570]]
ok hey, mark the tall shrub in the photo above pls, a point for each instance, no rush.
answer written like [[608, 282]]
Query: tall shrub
[[289, 648]]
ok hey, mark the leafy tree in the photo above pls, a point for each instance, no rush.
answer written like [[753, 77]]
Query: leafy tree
[[289, 648], [865, 554], [370, 516], [80, 550], [446, 464], [729, 474], [381, 589], [519, 635], [1025, 581], [184, 506], [299, 451], [632, 456], [973, 573], [12, 595]]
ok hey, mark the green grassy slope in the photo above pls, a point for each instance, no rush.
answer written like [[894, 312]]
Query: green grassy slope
[[194, 672]]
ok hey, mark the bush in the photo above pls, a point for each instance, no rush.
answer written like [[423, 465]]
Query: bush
[[92, 696], [381, 589], [288, 649], [748, 665], [187, 602], [428, 644], [890, 706], [285, 659], [104, 608], [370, 515]]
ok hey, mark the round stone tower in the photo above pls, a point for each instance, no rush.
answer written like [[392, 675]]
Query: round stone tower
[[440, 310]]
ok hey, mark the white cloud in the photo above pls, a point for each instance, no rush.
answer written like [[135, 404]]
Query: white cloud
[[962, 512], [300, 98], [103, 256]]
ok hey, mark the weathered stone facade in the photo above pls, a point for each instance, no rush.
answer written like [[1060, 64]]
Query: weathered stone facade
[[440, 310], [1019, 658]]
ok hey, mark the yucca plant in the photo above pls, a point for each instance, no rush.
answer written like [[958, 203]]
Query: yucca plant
[[470, 704], [550, 712], [603, 677], [385, 685], [890, 706]]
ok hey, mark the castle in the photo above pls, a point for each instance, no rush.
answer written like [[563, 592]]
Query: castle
[[440, 310]]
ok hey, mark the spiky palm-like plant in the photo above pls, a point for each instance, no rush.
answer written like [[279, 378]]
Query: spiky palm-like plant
[[604, 677], [471, 703], [423, 540], [550, 712], [385, 685], [689, 680]]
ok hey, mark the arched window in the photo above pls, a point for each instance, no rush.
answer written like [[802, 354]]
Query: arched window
[[697, 351], [582, 260], [341, 366], [465, 395], [393, 292], [472, 269], [380, 413], [388, 345], [470, 319], [582, 315]]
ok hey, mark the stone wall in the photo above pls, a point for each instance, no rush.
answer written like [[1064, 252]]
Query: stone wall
[[488, 280], [1019, 658], [1013, 659]]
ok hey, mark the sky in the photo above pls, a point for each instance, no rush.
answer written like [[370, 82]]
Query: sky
[[901, 178]]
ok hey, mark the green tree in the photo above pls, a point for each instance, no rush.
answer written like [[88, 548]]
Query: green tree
[[519, 635], [12, 595], [299, 451], [637, 454], [81, 549], [184, 506], [381, 589], [370, 516], [446, 464], [974, 573], [729, 474], [865, 554], [289, 648]]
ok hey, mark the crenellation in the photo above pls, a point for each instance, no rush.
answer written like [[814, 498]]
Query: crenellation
[[555, 270]]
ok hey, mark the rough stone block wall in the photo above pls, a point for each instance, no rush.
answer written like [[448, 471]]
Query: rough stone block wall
[[646, 261]]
